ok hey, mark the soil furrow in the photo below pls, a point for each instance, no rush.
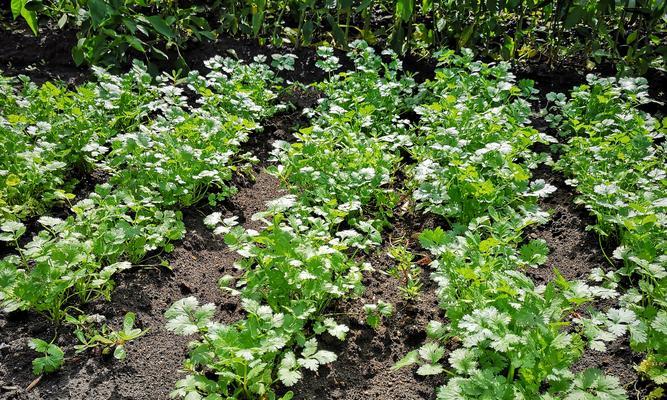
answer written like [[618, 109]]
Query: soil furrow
[[153, 361], [363, 369]]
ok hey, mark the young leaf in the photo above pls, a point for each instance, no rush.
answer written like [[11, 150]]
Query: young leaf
[[186, 316], [287, 373], [119, 353], [431, 352], [52, 360], [161, 26], [535, 252], [407, 360], [430, 369]]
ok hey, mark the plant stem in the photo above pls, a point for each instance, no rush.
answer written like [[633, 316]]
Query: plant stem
[[510, 373], [276, 23]]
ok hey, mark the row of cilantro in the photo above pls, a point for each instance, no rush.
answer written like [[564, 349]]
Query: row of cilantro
[[49, 134], [167, 160], [616, 157], [473, 152], [341, 176]]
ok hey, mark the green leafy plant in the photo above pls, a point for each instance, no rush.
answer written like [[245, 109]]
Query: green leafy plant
[[428, 357], [302, 259], [22, 8], [474, 158], [155, 164], [468, 157], [111, 32], [629, 33], [283, 62], [405, 271], [105, 340], [52, 357], [615, 160], [376, 312]]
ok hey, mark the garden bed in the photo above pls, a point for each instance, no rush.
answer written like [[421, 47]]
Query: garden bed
[[363, 369]]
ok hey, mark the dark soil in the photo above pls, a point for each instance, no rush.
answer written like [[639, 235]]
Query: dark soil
[[573, 251], [44, 57], [281, 127], [363, 369], [153, 361]]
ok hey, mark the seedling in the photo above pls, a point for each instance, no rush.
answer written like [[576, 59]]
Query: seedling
[[105, 340], [376, 312], [52, 357], [406, 272]]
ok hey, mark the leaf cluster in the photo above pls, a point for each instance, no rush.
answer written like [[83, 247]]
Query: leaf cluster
[[339, 174], [615, 158]]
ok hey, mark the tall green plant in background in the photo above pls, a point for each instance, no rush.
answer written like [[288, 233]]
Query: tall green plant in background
[[630, 33], [108, 31], [20, 8]]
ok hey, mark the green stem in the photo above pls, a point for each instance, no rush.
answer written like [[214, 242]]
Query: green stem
[[245, 381], [510, 373], [18, 249], [604, 253], [276, 23], [517, 32], [302, 17], [347, 26]]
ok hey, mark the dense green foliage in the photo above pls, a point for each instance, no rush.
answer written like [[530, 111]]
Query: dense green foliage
[[474, 159], [160, 153], [339, 171], [616, 157], [460, 146], [109, 31], [470, 161], [628, 32]]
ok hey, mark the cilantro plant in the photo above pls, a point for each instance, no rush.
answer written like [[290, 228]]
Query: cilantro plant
[[376, 312], [51, 360], [406, 272], [348, 158], [52, 135], [428, 357], [473, 145], [105, 340], [474, 158], [160, 152], [615, 157], [509, 331], [340, 174]]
